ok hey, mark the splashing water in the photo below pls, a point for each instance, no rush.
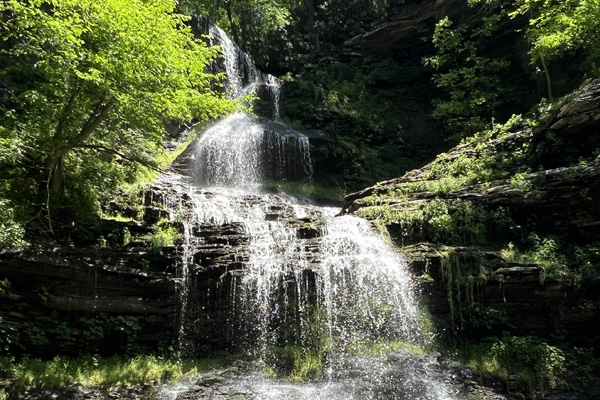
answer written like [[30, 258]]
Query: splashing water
[[243, 77]]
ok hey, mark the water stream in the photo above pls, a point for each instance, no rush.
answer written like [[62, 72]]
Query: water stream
[[300, 281]]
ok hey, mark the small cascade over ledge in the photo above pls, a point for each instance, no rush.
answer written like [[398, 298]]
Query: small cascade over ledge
[[256, 151]]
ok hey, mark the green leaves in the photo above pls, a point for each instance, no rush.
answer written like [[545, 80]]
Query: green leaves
[[472, 84], [97, 77], [558, 27]]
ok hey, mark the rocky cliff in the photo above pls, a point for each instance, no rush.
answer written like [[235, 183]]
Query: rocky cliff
[[506, 226], [126, 293]]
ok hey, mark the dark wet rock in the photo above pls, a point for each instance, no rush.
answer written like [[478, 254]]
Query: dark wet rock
[[65, 291], [79, 392], [411, 24]]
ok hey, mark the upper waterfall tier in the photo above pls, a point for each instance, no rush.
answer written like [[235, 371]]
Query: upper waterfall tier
[[242, 150], [243, 77]]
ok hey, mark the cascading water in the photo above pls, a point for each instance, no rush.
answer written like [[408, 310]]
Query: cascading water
[[300, 279], [256, 151]]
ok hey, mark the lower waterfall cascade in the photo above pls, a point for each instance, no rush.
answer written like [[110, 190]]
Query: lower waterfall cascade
[[309, 280]]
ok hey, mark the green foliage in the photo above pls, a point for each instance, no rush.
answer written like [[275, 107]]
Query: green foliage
[[63, 331], [4, 286], [9, 338], [520, 183], [298, 362], [587, 261], [541, 365], [11, 230], [462, 275], [443, 221], [94, 328], [473, 84], [488, 317], [479, 161], [371, 143], [111, 372], [546, 253], [379, 348], [36, 336], [307, 363], [249, 22], [164, 236], [97, 80], [557, 28]]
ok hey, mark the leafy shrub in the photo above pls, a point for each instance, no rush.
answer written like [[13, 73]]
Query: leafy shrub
[[110, 372], [541, 365], [11, 231], [9, 338], [165, 235], [441, 221]]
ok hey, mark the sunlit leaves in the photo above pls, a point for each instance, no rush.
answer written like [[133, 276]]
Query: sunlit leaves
[[471, 82], [102, 76], [559, 27]]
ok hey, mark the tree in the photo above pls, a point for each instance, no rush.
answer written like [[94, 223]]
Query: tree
[[98, 77], [557, 27], [472, 83]]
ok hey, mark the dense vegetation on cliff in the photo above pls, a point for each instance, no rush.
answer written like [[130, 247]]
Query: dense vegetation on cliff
[[88, 87]]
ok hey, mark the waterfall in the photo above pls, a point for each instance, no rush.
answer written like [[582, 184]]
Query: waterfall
[[243, 77], [296, 277], [256, 151]]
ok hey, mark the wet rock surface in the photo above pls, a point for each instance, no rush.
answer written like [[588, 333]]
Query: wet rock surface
[[67, 291]]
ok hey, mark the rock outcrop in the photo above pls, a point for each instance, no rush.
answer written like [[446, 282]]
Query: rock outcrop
[[410, 23]]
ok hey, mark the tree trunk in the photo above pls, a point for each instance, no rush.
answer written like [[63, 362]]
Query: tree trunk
[[54, 164], [234, 29], [54, 176], [548, 80]]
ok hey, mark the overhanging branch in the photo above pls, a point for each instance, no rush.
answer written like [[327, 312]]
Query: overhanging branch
[[135, 159]]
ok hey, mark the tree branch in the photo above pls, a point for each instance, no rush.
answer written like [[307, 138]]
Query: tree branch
[[141, 161], [62, 122], [96, 117]]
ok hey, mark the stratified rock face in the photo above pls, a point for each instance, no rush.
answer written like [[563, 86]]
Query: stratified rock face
[[66, 300], [124, 295], [562, 195], [552, 190], [411, 23]]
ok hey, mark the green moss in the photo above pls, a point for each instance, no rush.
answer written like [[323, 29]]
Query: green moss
[[378, 348], [440, 221], [463, 275], [164, 236], [312, 190], [11, 229], [558, 263], [111, 372], [296, 362]]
